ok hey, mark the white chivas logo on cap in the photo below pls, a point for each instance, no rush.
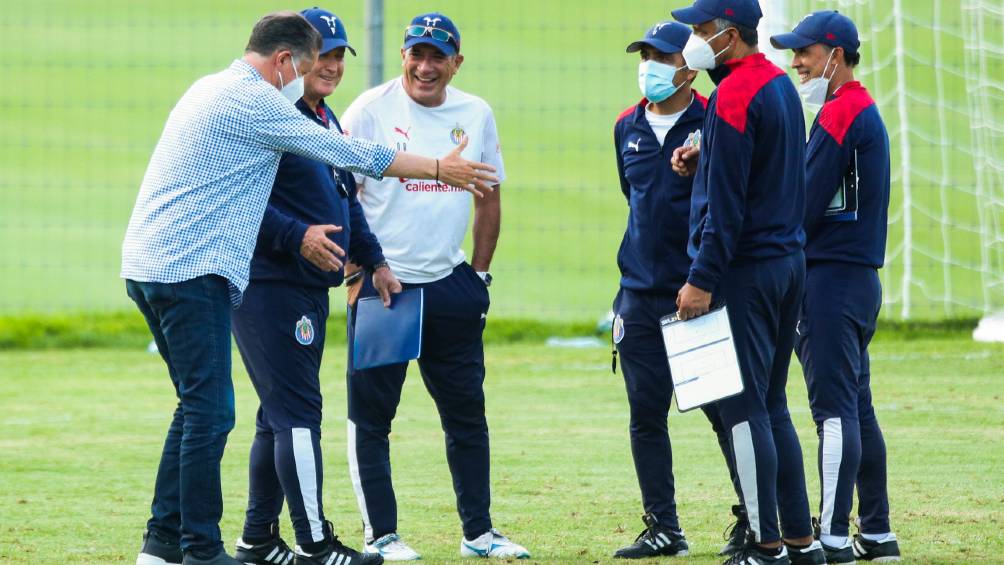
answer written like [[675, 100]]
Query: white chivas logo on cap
[[332, 23], [658, 27], [432, 21]]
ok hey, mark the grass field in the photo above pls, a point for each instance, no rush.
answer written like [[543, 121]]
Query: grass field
[[93, 81], [80, 434]]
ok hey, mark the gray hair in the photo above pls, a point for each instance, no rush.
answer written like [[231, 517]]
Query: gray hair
[[747, 34], [284, 30]]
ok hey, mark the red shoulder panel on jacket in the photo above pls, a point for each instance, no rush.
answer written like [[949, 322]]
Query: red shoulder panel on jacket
[[630, 109], [839, 114], [748, 77], [703, 100]]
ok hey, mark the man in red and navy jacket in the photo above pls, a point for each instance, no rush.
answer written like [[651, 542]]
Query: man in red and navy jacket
[[653, 262], [847, 195], [746, 240]]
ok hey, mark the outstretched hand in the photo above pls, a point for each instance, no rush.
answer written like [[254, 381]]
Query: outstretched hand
[[471, 176]]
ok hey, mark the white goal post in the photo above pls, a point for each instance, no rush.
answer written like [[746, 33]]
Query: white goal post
[[936, 69]]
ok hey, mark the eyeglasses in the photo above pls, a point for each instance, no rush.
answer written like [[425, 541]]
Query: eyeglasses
[[433, 32]]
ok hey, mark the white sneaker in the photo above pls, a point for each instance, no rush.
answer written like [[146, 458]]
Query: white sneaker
[[392, 548], [492, 544]]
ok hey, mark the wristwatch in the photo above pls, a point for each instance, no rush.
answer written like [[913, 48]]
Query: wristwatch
[[485, 276]]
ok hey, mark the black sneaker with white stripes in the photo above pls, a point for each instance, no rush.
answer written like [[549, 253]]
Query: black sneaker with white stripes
[[271, 552], [839, 555], [752, 554], [885, 550], [654, 541], [812, 554], [337, 554], [735, 535]]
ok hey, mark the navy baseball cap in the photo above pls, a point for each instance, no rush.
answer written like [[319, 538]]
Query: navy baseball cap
[[743, 12], [668, 37], [431, 28], [330, 27], [826, 26]]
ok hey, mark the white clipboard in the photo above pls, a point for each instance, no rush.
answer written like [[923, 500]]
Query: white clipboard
[[702, 358]]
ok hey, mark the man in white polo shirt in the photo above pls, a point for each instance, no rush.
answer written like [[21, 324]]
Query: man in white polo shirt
[[421, 226]]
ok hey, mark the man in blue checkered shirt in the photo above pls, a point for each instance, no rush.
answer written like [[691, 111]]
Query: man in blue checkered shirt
[[187, 252]]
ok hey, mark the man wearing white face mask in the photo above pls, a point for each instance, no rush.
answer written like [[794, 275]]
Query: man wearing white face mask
[[187, 252], [746, 241], [653, 262], [847, 194]]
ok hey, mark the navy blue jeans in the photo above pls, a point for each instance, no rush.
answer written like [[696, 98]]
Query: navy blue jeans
[[190, 322]]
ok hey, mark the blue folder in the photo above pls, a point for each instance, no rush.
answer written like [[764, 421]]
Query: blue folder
[[385, 336]]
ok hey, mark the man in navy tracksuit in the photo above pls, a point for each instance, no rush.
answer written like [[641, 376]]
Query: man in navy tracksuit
[[654, 263], [746, 239], [312, 221], [847, 189]]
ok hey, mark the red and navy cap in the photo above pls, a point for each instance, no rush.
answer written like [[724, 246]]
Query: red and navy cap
[[435, 20], [826, 26], [668, 37], [743, 12], [330, 27]]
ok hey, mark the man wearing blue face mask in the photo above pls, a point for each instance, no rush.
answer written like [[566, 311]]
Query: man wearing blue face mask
[[847, 194], [653, 263]]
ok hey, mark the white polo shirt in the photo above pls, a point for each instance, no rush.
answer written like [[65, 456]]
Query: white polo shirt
[[421, 224]]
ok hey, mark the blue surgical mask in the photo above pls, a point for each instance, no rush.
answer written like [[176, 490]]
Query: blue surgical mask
[[655, 80]]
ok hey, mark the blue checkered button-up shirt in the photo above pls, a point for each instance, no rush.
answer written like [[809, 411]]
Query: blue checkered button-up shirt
[[208, 181]]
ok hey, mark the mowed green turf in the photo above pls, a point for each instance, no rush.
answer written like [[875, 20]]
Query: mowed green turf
[[81, 431], [92, 82]]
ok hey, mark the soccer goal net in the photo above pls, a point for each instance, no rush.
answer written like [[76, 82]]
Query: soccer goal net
[[936, 69]]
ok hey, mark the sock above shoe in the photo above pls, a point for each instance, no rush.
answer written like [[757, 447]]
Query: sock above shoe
[[834, 541], [888, 536]]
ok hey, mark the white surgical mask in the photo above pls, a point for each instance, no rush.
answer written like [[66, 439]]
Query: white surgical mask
[[294, 90], [655, 80], [813, 91], [698, 53]]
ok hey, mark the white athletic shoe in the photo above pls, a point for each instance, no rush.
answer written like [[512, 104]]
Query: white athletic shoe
[[492, 544], [392, 548]]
